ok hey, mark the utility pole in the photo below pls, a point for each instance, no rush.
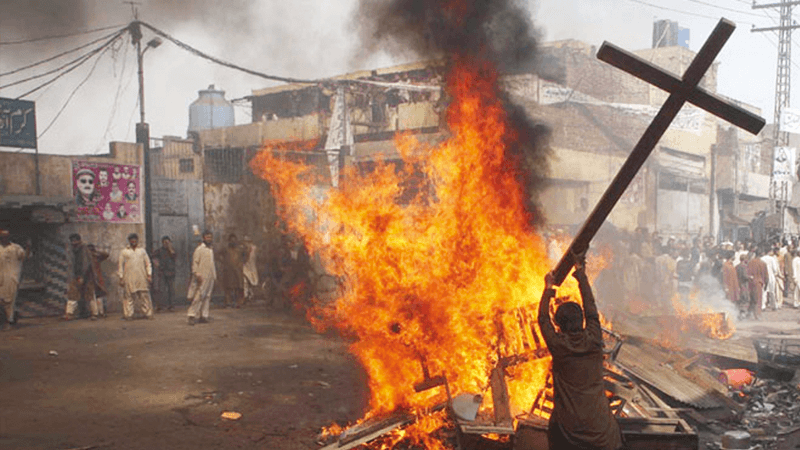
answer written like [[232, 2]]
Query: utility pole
[[142, 128], [783, 83]]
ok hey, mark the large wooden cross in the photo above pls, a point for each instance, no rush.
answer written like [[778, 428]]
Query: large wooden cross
[[681, 90]]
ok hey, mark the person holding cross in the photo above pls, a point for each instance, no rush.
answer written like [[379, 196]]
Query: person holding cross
[[581, 417]]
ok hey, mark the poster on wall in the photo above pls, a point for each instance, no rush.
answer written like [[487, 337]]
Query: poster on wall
[[783, 165], [106, 192]]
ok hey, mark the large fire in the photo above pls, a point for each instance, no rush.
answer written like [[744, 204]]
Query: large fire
[[438, 282]]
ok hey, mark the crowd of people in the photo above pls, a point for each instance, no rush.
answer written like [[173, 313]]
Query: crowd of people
[[648, 270], [144, 277]]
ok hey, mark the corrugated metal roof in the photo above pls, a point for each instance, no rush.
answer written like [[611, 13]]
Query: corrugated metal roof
[[649, 365]]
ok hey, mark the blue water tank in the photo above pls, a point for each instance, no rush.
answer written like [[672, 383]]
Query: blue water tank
[[210, 110]]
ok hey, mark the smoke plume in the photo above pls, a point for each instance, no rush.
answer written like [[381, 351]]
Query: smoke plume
[[499, 32]]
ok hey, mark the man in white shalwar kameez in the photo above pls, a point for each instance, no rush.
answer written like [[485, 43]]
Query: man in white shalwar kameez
[[204, 273], [11, 258], [771, 293], [135, 275], [250, 270]]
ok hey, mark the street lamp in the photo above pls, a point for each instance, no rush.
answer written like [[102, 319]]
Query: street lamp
[[143, 130]]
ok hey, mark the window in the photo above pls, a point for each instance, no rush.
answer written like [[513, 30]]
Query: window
[[224, 165], [186, 165]]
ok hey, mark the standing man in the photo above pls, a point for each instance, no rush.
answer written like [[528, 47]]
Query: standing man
[[11, 258], [757, 271], [788, 273], [232, 260], [203, 276], [135, 275], [581, 417], [666, 277], [164, 260], [250, 270], [796, 278], [773, 270], [96, 287], [81, 273], [730, 280]]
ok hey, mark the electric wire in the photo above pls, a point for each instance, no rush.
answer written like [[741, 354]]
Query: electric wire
[[193, 50], [72, 94], [45, 38], [113, 113], [58, 55], [724, 8], [74, 66], [684, 12], [79, 60]]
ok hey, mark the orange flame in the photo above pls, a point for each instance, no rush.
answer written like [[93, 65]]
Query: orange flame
[[703, 317], [450, 280]]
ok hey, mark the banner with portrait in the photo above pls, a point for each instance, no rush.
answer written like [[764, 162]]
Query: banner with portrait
[[107, 192]]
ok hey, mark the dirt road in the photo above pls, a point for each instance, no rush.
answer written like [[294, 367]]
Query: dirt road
[[161, 384]]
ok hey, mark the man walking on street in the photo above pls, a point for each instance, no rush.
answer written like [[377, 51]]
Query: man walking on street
[[11, 258], [164, 260], [135, 275], [203, 276]]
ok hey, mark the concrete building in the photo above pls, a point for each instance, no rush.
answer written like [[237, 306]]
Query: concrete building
[[685, 187], [177, 195], [46, 220]]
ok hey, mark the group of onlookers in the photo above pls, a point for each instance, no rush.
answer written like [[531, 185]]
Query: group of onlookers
[[652, 272], [139, 274]]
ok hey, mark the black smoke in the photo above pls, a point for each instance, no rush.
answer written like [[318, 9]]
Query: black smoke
[[30, 19], [499, 30], [496, 31]]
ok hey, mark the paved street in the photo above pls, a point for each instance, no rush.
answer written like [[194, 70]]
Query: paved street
[[162, 384]]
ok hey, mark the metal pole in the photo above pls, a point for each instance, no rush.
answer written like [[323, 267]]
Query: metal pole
[[143, 137], [38, 174]]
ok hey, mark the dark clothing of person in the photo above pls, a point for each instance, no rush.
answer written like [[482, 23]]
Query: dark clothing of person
[[166, 261], [232, 258], [166, 275], [581, 413], [744, 286], [97, 280], [81, 270], [81, 261]]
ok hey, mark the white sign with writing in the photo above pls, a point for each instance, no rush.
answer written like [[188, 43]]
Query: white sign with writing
[[790, 120]]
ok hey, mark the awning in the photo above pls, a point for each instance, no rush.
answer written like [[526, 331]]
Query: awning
[[37, 208]]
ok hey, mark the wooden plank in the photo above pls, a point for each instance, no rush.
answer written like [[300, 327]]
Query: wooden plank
[[361, 434], [500, 399], [486, 429]]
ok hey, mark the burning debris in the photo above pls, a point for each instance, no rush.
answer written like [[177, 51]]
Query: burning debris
[[440, 289]]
